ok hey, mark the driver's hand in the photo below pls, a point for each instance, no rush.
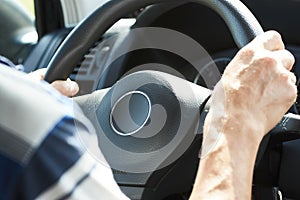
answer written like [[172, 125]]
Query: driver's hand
[[68, 88], [257, 87]]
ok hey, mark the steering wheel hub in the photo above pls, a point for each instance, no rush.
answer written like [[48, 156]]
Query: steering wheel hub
[[130, 113]]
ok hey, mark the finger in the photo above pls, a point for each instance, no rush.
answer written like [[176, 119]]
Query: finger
[[286, 58], [273, 41], [37, 75], [289, 80], [67, 88], [270, 40]]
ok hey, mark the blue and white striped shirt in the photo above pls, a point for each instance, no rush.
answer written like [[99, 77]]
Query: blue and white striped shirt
[[42, 155]]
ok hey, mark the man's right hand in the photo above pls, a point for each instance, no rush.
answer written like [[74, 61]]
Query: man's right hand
[[258, 84]]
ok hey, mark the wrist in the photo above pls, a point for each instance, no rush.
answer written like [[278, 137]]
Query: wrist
[[243, 127], [238, 128], [228, 155]]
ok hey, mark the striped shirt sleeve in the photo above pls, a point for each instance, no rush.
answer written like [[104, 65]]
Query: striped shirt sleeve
[[42, 153], [6, 62]]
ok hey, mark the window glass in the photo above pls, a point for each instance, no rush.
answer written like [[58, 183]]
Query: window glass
[[76, 10], [28, 5]]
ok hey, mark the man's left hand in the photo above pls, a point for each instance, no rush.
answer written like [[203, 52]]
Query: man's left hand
[[68, 88]]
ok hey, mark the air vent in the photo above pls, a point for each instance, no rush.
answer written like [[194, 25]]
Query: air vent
[[95, 59], [88, 72], [85, 66]]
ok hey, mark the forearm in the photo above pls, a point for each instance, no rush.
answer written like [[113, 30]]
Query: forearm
[[227, 160]]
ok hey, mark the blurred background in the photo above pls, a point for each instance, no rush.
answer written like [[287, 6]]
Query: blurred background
[[28, 5]]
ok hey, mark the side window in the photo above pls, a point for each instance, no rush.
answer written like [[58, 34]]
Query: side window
[[76, 10], [17, 29], [28, 5]]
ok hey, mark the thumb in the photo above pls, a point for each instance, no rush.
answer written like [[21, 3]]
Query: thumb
[[68, 88]]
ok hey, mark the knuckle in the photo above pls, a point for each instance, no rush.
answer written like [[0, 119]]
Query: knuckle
[[274, 35], [284, 77], [288, 78], [292, 93], [287, 81], [293, 78], [273, 41], [289, 55], [266, 62], [288, 59], [246, 54]]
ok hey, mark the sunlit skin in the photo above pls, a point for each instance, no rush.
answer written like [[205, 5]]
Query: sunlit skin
[[256, 90]]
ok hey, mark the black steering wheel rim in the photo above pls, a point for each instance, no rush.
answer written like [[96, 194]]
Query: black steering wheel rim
[[241, 22]]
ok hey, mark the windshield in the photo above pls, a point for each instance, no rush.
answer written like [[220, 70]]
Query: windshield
[[76, 10]]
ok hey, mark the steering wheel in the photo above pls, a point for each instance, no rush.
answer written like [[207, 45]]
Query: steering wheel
[[242, 24], [148, 124]]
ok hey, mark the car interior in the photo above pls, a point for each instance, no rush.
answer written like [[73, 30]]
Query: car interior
[[107, 48]]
